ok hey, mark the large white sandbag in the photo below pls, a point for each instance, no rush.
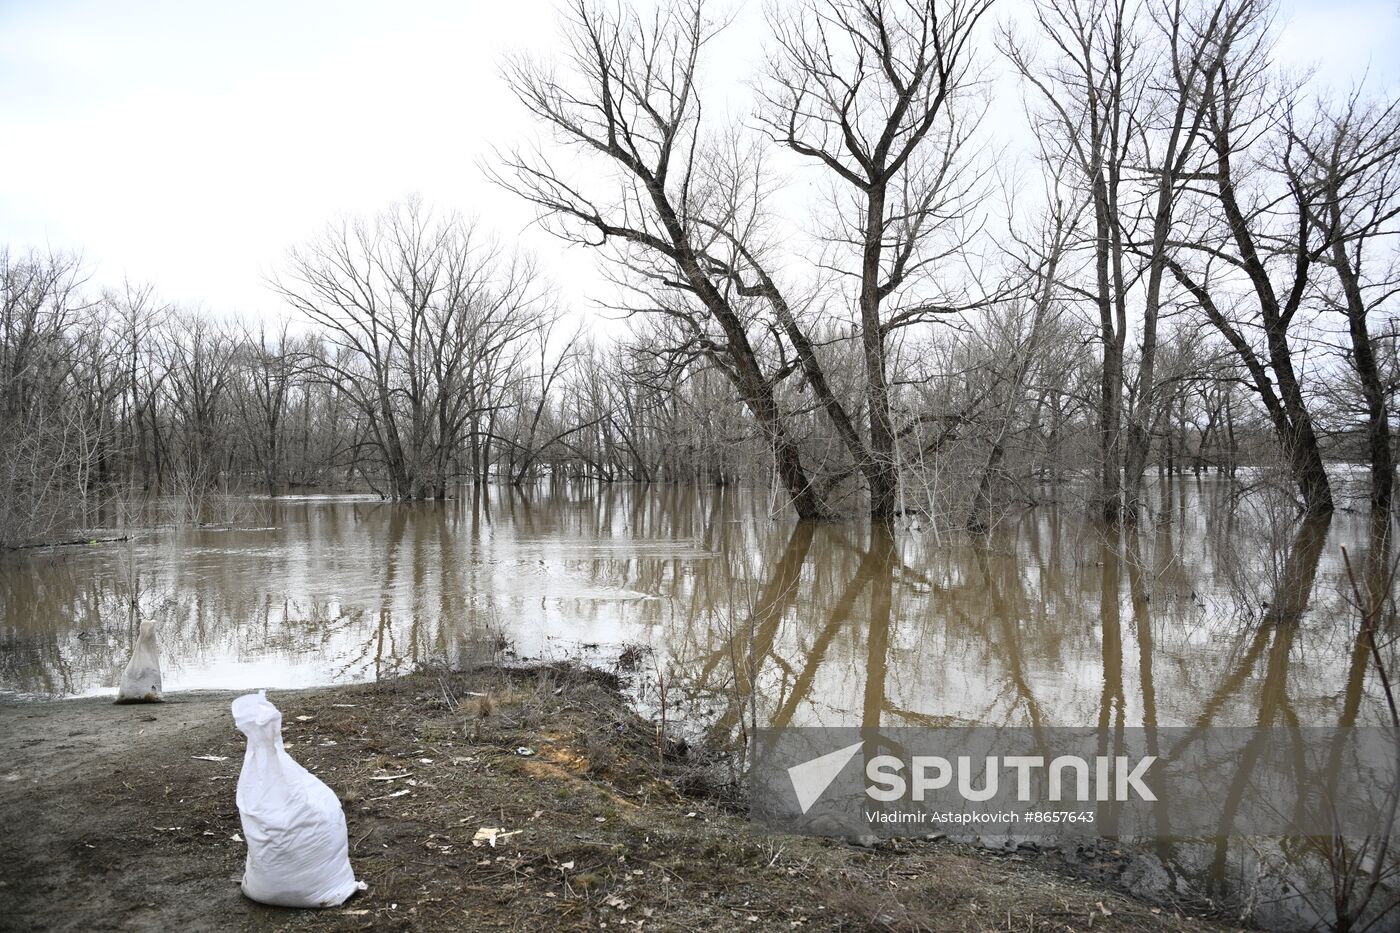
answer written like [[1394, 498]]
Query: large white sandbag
[[141, 680], [298, 851]]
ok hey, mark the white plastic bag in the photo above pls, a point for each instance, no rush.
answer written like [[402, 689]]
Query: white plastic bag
[[298, 851], [141, 680]]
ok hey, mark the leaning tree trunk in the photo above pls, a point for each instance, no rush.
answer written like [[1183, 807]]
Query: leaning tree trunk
[[1363, 359], [1300, 441], [1111, 377]]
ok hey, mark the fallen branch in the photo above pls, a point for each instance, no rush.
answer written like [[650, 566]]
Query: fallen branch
[[74, 543]]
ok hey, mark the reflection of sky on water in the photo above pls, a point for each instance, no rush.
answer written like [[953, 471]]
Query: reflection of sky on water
[[832, 629], [1219, 616]]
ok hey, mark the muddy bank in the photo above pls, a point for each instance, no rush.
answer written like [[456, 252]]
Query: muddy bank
[[118, 821]]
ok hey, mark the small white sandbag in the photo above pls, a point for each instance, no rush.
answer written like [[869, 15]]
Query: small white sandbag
[[298, 851], [141, 680]]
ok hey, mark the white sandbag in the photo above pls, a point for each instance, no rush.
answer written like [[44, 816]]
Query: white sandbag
[[141, 680], [298, 850]]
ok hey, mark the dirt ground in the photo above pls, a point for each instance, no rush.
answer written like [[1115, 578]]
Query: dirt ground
[[113, 823]]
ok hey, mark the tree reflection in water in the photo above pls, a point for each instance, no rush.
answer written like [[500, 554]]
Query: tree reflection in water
[[1228, 613]]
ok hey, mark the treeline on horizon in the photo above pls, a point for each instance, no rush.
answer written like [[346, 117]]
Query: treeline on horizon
[[1196, 272]]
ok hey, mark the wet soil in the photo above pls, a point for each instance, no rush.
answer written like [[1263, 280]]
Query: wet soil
[[116, 819]]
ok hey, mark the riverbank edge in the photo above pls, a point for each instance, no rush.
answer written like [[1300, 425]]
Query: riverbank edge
[[130, 823]]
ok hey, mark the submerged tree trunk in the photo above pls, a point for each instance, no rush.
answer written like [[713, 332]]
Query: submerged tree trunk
[[882, 472], [1378, 449], [979, 519], [1300, 443]]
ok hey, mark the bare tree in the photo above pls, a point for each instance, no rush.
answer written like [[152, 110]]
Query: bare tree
[[138, 316], [267, 376], [1170, 135], [542, 420], [878, 93], [1347, 160], [631, 97], [1020, 331], [1091, 91], [420, 306], [200, 358], [1249, 250], [40, 308]]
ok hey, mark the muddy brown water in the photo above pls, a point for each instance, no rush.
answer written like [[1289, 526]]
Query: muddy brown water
[[1217, 612]]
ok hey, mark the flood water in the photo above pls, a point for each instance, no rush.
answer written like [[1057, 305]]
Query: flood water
[[1216, 613]]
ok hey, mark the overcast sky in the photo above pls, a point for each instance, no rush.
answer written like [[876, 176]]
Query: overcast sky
[[190, 143]]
